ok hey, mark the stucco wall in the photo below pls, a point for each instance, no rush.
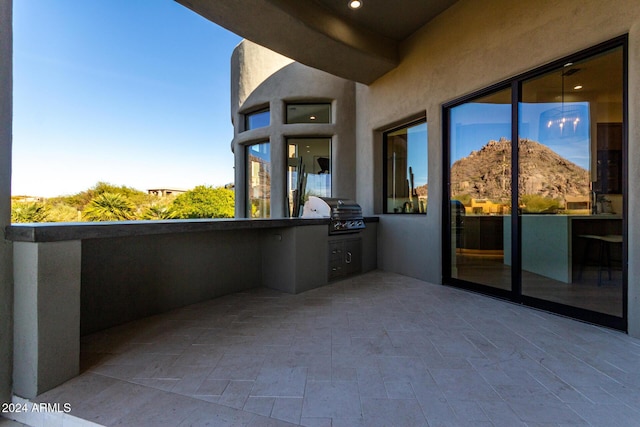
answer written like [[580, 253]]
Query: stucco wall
[[469, 47], [251, 64], [6, 267], [128, 278]]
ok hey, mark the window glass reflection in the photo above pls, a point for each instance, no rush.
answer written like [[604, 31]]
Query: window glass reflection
[[406, 169], [480, 176], [570, 192], [259, 180], [256, 120], [309, 171], [309, 113]]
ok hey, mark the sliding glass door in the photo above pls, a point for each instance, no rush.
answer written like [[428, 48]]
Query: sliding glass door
[[480, 188], [563, 127], [570, 187]]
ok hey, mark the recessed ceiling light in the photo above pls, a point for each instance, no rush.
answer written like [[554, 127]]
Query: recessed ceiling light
[[577, 87], [355, 4], [312, 117]]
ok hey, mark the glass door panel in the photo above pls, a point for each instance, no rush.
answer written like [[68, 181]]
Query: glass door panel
[[480, 190], [570, 195]]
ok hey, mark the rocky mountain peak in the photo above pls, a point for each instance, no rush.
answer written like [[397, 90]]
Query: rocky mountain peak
[[486, 173]]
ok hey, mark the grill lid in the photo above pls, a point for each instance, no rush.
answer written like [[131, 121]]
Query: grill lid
[[345, 214], [334, 208]]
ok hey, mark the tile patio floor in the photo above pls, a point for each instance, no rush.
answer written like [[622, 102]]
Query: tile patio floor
[[376, 350]]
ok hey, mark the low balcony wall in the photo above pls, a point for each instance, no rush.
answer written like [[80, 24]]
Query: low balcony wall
[[76, 278]]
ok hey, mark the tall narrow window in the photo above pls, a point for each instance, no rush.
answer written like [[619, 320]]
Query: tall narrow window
[[259, 181], [308, 171], [406, 185], [309, 113]]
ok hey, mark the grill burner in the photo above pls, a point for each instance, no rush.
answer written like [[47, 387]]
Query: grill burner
[[346, 215]]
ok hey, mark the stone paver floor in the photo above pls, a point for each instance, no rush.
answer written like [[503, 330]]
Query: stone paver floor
[[375, 350]]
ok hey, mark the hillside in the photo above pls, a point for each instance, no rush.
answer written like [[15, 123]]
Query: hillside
[[487, 173]]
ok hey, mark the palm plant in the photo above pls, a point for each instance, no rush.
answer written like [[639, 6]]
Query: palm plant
[[109, 207], [28, 212], [158, 212]]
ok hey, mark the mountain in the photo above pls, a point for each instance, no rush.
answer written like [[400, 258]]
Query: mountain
[[486, 173]]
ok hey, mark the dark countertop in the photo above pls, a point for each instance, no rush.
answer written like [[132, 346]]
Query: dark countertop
[[64, 231]]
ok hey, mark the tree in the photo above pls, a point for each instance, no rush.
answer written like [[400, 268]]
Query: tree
[[205, 202], [534, 203], [158, 212], [59, 212], [28, 212], [82, 199], [109, 207]]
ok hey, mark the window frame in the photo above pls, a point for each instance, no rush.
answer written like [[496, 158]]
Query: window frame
[[415, 121], [329, 140], [516, 294], [247, 116], [247, 204], [288, 104]]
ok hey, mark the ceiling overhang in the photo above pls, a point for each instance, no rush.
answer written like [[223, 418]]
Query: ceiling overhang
[[313, 33]]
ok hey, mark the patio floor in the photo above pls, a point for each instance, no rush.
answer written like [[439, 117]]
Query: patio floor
[[375, 350]]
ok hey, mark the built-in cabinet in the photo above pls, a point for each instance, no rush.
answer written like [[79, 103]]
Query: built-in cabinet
[[300, 258], [345, 257], [609, 159]]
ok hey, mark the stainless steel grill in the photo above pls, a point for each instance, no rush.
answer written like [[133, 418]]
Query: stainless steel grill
[[345, 214]]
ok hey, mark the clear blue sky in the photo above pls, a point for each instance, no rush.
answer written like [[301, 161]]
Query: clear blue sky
[[132, 92], [475, 124]]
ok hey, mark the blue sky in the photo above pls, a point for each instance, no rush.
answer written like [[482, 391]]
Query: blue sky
[[133, 93], [475, 124]]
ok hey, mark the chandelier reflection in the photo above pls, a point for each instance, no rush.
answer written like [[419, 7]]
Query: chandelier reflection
[[567, 121]]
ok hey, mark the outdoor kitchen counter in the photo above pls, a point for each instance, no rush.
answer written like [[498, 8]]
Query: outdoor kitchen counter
[[59, 232], [87, 277]]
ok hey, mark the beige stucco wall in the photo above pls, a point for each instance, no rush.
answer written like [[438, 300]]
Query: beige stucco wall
[[251, 65], [274, 87], [6, 269], [469, 47]]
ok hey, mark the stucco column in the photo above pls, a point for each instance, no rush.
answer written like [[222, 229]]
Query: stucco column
[[46, 314], [278, 160], [6, 277], [634, 182]]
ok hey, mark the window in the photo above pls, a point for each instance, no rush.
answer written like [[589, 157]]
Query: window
[[309, 113], [259, 181], [405, 169], [257, 119], [308, 171]]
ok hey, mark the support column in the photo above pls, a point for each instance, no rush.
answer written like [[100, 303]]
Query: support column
[[46, 315], [6, 277], [633, 272]]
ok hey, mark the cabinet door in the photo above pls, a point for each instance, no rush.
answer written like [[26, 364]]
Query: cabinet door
[[352, 256]]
